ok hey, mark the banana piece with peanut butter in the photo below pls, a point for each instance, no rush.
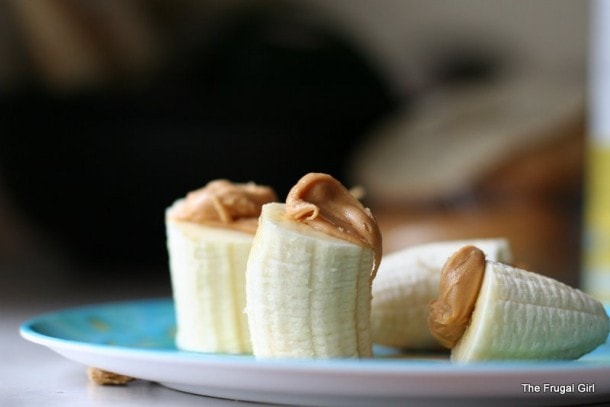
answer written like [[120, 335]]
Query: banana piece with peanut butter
[[209, 236], [309, 274], [491, 311], [407, 281]]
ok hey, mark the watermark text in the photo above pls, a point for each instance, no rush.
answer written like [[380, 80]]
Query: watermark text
[[568, 388]]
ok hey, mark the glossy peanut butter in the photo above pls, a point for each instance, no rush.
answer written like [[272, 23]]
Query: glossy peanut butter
[[460, 283], [323, 203], [222, 203]]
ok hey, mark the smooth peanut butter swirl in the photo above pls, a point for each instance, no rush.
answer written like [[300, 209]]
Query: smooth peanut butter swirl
[[460, 283], [225, 204], [323, 203]]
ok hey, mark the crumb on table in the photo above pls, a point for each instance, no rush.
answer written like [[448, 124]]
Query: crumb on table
[[103, 377]]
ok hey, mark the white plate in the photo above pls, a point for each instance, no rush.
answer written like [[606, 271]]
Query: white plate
[[136, 338]]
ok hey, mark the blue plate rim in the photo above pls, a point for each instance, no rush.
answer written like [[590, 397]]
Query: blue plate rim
[[424, 366]]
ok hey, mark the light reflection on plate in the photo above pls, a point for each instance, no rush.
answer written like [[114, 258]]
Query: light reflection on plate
[[136, 338]]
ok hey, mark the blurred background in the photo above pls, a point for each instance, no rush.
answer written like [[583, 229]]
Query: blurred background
[[460, 119]]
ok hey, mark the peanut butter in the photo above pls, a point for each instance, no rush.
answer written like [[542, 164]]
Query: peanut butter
[[460, 283], [222, 203], [323, 203]]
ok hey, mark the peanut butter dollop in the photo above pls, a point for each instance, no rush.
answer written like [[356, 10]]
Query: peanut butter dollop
[[222, 203], [323, 203], [460, 283]]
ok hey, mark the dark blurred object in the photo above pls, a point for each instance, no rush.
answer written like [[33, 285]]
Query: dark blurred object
[[272, 97]]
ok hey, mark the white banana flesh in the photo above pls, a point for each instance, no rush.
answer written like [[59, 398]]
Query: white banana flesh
[[208, 267], [308, 294], [524, 315], [407, 281]]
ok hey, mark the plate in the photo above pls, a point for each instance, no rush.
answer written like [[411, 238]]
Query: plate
[[136, 338]]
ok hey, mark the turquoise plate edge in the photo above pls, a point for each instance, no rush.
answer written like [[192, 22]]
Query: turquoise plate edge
[[110, 327]]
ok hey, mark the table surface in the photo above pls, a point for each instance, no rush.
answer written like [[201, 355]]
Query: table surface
[[32, 375]]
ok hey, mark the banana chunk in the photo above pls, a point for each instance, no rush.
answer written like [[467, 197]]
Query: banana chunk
[[309, 291], [209, 236], [407, 281], [208, 280], [519, 314]]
